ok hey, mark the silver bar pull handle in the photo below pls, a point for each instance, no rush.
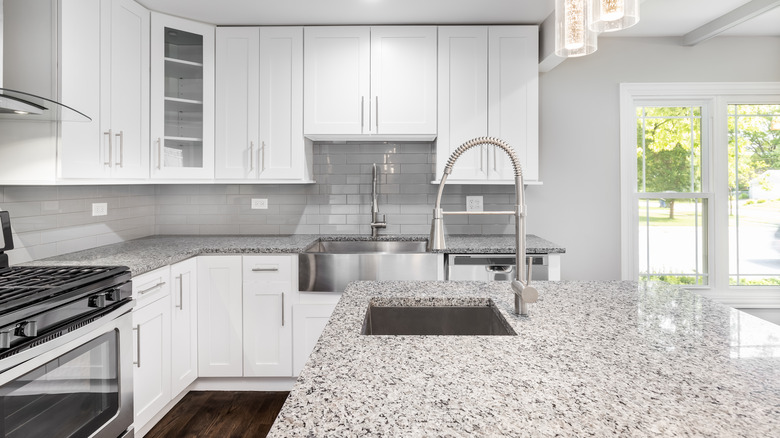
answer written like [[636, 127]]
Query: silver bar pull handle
[[282, 309], [274, 269], [156, 286], [376, 113], [137, 329], [369, 114], [110, 148], [362, 112], [121, 136], [159, 153], [251, 156], [495, 159], [262, 156], [181, 292]]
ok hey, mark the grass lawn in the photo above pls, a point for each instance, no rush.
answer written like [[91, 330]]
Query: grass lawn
[[767, 213]]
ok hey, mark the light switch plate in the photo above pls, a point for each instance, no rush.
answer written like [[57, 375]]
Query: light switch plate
[[259, 204], [99, 209], [473, 203]]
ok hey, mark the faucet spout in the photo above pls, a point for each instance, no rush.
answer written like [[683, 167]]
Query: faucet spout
[[524, 293], [375, 223]]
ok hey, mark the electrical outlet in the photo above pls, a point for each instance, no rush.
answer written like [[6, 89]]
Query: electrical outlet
[[473, 203], [99, 209], [259, 204]]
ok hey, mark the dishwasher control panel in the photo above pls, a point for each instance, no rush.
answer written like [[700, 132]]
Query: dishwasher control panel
[[492, 267]]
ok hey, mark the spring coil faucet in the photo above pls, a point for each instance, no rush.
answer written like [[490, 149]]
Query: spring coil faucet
[[524, 293]]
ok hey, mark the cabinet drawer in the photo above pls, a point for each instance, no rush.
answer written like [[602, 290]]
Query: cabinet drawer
[[151, 286], [266, 268]]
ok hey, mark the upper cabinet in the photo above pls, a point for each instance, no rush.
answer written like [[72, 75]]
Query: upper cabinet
[[377, 81], [104, 72], [182, 98], [259, 97], [488, 86]]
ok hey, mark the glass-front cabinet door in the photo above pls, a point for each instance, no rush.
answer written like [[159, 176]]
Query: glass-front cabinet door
[[182, 110]]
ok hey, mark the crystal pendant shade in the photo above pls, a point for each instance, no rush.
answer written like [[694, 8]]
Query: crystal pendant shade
[[573, 36], [613, 15]]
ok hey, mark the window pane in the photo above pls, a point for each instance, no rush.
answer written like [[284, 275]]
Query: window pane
[[672, 244], [669, 149], [754, 194]]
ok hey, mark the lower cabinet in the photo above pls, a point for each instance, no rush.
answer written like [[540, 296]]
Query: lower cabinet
[[244, 309], [309, 321], [220, 334], [152, 342], [184, 325], [268, 284]]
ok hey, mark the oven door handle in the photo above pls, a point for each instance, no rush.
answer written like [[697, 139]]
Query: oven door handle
[[137, 330]]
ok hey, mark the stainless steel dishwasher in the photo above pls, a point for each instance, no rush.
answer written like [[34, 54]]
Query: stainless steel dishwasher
[[491, 267]]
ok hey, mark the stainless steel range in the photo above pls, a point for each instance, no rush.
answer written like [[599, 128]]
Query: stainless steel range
[[65, 349]]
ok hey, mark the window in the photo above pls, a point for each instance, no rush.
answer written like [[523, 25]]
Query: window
[[700, 177]]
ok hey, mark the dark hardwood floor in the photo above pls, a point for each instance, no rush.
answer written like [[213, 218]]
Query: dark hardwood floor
[[222, 414]]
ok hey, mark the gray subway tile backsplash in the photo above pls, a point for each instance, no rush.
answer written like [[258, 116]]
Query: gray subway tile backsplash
[[48, 220]]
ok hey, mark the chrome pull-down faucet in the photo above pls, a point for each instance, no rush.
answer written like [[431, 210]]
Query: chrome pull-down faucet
[[375, 224], [524, 293]]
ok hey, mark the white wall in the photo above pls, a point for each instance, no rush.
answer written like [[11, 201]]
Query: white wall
[[578, 206]]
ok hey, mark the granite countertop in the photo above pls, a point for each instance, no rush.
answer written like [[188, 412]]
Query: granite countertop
[[594, 358], [149, 253]]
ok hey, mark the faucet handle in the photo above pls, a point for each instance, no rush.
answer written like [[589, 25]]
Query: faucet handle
[[529, 294]]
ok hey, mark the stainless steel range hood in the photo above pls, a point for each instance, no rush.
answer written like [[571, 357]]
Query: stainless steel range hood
[[16, 104]]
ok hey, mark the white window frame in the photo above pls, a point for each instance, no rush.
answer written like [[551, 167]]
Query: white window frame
[[714, 99]]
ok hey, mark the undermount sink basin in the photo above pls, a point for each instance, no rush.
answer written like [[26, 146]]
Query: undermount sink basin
[[483, 320], [367, 246]]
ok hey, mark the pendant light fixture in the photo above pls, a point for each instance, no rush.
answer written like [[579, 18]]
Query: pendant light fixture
[[573, 35], [612, 15]]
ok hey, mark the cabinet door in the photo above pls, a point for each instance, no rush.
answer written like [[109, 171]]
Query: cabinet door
[[182, 105], [219, 316], [403, 80], [128, 134], [513, 94], [281, 153], [463, 100], [82, 149], [237, 147], [184, 327], [336, 80], [152, 359], [309, 320], [268, 284]]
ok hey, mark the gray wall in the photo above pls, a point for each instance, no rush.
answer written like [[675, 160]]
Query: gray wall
[[49, 220], [578, 206], [340, 201]]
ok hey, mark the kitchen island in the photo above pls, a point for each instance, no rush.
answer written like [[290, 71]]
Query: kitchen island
[[593, 359]]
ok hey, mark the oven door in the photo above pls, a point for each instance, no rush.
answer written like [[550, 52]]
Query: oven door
[[81, 386]]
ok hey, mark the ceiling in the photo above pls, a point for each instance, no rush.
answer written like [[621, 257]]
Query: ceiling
[[658, 17]]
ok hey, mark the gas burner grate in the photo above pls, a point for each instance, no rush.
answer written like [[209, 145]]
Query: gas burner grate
[[20, 284]]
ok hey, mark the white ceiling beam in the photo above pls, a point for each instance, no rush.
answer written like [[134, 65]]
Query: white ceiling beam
[[548, 60], [739, 15]]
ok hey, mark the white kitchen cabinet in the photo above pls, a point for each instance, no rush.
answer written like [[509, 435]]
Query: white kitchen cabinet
[[182, 98], [184, 327], [488, 86], [259, 124], [268, 286], [104, 72], [220, 330], [378, 81], [309, 320], [152, 346]]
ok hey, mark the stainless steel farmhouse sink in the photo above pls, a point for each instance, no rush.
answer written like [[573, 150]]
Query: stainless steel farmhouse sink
[[328, 266], [483, 320]]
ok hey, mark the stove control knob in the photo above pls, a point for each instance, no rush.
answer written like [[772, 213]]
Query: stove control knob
[[113, 295], [98, 300], [5, 340], [27, 329]]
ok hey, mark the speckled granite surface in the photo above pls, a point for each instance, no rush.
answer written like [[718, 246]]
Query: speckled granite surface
[[593, 359], [149, 253]]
